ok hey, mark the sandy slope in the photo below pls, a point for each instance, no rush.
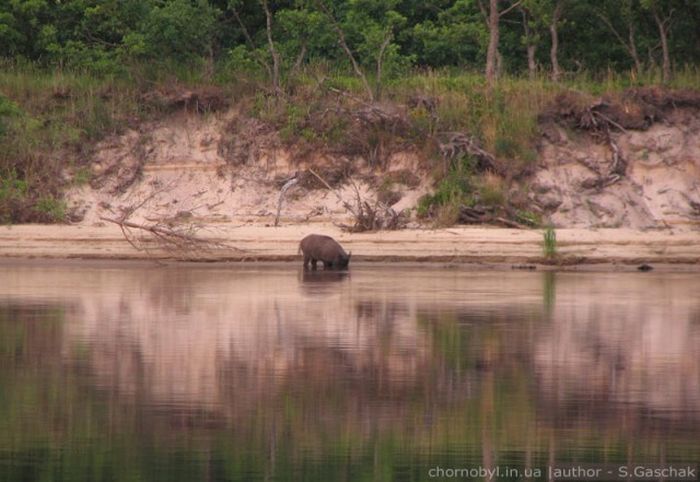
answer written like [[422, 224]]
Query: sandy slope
[[175, 171], [460, 244]]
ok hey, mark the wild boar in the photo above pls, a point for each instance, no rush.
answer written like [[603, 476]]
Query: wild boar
[[318, 247]]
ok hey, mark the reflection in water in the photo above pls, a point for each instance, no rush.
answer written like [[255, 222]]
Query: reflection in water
[[187, 373], [623, 350]]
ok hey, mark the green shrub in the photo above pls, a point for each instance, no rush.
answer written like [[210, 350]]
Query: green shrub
[[454, 190], [180, 29], [549, 242], [456, 186], [491, 195], [8, 110], [13, 196], [51, 209], [528, 218]]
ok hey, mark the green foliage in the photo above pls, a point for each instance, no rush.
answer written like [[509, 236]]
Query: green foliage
[[73, 71], [18, 202], [52, 117], [454, 190], [13, 192], [491, 195], [528, 218], [180, 29], [8, 110], [456, 36], [241, 59], [52, 209], [107, 35]]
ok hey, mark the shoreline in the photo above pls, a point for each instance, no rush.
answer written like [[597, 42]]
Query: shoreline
[[463, 245]]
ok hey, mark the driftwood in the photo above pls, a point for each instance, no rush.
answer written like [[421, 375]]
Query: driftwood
[[283, 192]]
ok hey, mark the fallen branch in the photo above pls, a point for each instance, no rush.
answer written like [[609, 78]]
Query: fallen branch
[[167, 234], [178, 241], [480, 215]]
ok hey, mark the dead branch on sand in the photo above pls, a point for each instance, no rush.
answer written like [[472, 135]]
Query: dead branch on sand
[[368, 217], [181, 242], [483, 215], [177, 239]]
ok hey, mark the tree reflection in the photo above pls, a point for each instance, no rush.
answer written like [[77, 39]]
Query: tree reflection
[[249, 377]]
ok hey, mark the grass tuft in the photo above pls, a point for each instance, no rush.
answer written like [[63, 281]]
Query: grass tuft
[[549, 243]]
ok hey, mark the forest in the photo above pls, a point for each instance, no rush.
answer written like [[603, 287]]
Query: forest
[[380, 37], [76, 71]]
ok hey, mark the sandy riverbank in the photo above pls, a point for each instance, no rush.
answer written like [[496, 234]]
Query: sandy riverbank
[[458, 244]]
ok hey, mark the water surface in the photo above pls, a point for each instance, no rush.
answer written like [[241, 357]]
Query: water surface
[[145, 372]]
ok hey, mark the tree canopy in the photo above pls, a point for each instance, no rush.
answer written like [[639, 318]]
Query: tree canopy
[[383, 36]]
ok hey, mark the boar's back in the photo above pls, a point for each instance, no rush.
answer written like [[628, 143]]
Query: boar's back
[[322, 247]]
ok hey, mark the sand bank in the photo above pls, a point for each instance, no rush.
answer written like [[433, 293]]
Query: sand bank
[[458, 244]]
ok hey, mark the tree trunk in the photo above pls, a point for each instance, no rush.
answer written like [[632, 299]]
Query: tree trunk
[[344, 45], [273, 51], [630, 44], [529, 45], [300, 58], [380, 62], [554, 51], [633, 50], [663, 34], [531, 64], [492, 52]]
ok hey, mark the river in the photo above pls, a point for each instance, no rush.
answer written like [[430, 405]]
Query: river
[[139, 371]]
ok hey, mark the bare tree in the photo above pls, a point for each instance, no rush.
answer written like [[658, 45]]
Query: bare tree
[[662, 12]]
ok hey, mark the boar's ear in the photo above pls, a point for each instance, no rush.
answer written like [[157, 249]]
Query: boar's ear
[[349, 254]]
